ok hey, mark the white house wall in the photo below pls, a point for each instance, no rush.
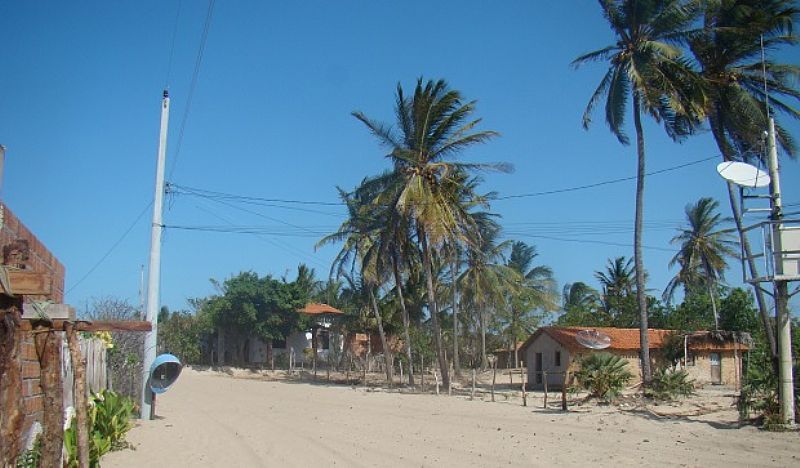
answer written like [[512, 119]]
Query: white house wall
[[297, 341], [548, 347]]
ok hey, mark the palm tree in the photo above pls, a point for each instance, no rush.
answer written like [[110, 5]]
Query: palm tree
[[361, 253], [703, 249], [619, 279], [728, 51], [538, 290], [486, 279], [425, 186], [645, 66], [578, 295]]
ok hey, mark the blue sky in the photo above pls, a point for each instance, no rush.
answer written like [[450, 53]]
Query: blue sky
[[81, 87]]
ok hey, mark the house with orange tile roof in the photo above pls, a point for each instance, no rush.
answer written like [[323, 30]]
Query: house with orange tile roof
[[714, 357], [318, 337]]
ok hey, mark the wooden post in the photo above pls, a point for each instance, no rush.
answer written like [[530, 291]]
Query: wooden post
[[11, 416], [401, 371], [472, 395], [79, 394], [436, 376], [544, 379], [422, 370], [564, 388], [349, 367], [48, 350], [522, 377], [494, 376]]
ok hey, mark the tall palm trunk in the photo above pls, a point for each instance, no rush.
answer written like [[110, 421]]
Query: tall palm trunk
[[484, 361], [398, 280], [432, 307], [514, 334], [454, 272], [728, 155], [387, 353], [641, 293], [713, 306]]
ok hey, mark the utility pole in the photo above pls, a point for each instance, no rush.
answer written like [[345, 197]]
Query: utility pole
[[154, 269], [781, 287]]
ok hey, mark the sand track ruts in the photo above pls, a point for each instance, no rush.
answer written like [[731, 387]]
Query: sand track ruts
[[210, 419]]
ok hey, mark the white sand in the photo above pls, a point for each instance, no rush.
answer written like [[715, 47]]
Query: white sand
[[210, 419]]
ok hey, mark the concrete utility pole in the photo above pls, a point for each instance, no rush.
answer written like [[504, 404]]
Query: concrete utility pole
[[781, 287], [154, 269]]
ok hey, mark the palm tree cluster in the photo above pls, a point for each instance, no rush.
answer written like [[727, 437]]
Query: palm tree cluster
[[419, 237], [688, 63]]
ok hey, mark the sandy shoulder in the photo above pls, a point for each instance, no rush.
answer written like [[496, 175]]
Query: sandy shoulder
[[209, 419]]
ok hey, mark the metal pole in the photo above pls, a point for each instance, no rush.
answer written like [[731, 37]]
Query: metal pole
[[154, 270], [786, 386], [2, 163]]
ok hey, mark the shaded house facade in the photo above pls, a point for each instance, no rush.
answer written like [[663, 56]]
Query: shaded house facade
[[318, 337], [713, 357]]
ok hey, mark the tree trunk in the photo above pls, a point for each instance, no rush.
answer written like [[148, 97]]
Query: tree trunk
[[484, 361], [514, 334], [728, 155], [11, 416], [432, 306], [48, 349], [387, 353], [713, 306], [220, 347], [398, 280], [79, 395], [456, 360], [641, 292]]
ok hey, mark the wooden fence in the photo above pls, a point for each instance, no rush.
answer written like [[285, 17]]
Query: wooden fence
[[95, 353]]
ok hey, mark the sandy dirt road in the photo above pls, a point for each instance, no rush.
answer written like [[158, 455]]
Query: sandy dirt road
[[210, 419]]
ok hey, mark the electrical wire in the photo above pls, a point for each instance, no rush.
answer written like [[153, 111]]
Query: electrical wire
[[190, 97], [172, 47], [111, 250], [230, 196]]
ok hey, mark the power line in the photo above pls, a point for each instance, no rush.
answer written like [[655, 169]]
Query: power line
[[259, 235], [193, 85], [591, 241], [230, 196], [113, 247], [172, 47], [607, 182]]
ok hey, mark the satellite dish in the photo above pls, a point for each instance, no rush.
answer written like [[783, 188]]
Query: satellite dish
[[743, 174], [164, 372], [593, 339]]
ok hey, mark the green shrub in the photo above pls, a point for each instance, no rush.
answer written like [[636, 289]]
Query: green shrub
[[109, 419], [604, 375], [30, 457], [670, 384]]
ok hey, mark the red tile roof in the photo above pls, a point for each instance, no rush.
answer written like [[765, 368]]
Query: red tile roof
[[627, 339], [318, 309]]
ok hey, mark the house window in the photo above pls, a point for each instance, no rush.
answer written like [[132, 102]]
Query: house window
[[324, 340], [558, 359], [279, 343]]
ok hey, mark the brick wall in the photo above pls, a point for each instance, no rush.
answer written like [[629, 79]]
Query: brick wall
[[40, 260]]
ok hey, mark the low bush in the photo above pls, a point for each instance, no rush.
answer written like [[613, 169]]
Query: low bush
[[109, 419], [670, 384], [603, 375]]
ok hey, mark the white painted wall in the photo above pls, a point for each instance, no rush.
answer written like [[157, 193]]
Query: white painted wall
[[548, 347]]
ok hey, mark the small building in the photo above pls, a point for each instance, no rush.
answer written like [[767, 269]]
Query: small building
[[318, 337], [714, 357]]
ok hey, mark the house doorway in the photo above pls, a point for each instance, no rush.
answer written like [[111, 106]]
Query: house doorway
[[716, 368], [537, 367]]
